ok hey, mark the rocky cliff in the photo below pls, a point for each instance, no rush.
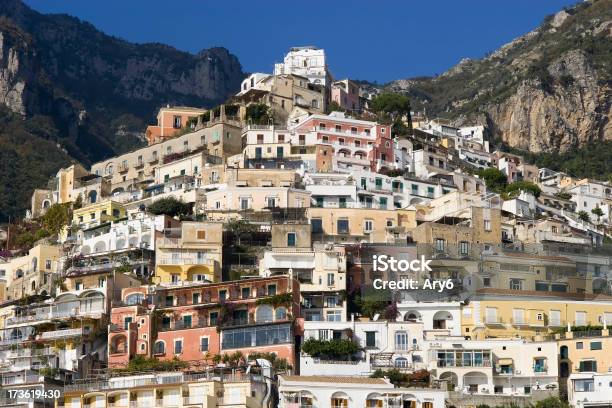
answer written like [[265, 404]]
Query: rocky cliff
[[549, 90], [83, 95]]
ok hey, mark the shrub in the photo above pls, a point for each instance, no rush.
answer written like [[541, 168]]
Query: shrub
[[169, 206]]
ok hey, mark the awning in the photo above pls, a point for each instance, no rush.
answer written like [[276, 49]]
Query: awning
[[505, 361]]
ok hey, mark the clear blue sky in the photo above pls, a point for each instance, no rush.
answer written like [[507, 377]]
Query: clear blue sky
[[364, 39]]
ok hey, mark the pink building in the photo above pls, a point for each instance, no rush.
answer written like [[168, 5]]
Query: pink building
[[346, 94], [356, 144], [198, 321]]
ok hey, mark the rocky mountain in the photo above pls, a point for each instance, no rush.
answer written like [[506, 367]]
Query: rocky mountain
[[94, 93], [547, 91]]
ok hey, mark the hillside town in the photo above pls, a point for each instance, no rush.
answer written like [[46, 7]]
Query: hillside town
[[237, 260]]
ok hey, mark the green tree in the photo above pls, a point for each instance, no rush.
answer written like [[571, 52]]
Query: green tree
[[56, 217], [169, 206], [597, 212], [584, 216], [334, 107], [78, 202], [513, 189], [393, 104], [495, 179], [258, 114]]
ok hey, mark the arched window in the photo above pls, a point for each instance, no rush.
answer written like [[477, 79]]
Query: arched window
[[33, 286], [18, 273], [34, 263], [264, 314], [159, 348], [46, 204], [280, 313], [401, 362], [92, 196]]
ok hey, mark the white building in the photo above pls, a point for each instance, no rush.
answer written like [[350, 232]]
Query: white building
[[494, 366], [386, 345], [589, 195], [587, 390], [353, 392], [441, 317], [253, 81], [306, 61]]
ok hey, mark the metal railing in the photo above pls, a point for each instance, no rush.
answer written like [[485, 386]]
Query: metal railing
[[59, 334]]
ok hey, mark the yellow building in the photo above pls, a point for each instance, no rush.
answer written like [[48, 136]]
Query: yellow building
[[192, 253], [31, 274], [584, 352], [171, 389], [510, 313], [98, 213], [350, 224]]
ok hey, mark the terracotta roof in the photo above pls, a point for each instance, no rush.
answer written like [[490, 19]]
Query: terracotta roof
[[335, 379]]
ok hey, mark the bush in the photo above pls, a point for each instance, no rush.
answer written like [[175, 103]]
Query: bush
[[495, 179], [513, 189], [336, 349], [258, 114]]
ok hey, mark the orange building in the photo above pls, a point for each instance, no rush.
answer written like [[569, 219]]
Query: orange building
[[170, 120], [196, 321]]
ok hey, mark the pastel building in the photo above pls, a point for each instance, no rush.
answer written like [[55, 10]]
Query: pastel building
[[189, 253], [346, 94], [171, 120], [356, 144], [196, 321]]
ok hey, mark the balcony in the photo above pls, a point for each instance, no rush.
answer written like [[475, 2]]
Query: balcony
[[153, 159], [186, 260], [493, 320], [61, 334], [123, 168], [180, 325], [40, 317], [28, 352]]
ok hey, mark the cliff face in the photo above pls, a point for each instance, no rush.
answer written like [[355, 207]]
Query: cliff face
[[85, 80], [73, 93], [546, 91]]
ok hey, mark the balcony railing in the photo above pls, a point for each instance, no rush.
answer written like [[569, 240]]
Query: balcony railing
[[459, 363], [60, 334], [187, 260]]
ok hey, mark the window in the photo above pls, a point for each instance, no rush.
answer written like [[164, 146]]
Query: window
[[539, 365], [126, 322], [584, 385], [430, 192], [581, 319], [595, 345], [579, 345], [333, 316], [48, 264], [370, 339], [279, 151], [516, 284], [342, 202], [486, 282], [214, 317], [588, 366], [201, 234], [195, 298], [317, 225], [204, 344], [487, 225], [368, 226], [401, 340], [439, 245], [338, 128], [159, 348], [330, 279], [176, 122], [383, 203], [319, 202], [255, 336], [271, 202], [343, 226], [280, 314], [222, 295], [187, 321], [281, 138], [463, 248], [244, 203], [245, 293], [271, 290], [178, 346], [291, 239]]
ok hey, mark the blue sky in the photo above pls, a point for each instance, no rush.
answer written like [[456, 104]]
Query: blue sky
[[364, 39]]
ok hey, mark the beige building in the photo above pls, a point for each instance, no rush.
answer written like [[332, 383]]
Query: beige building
[[191, 253], [283, 93], [467, 236], [354, 224], [238, 198], [33, 273], [124, 171]]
